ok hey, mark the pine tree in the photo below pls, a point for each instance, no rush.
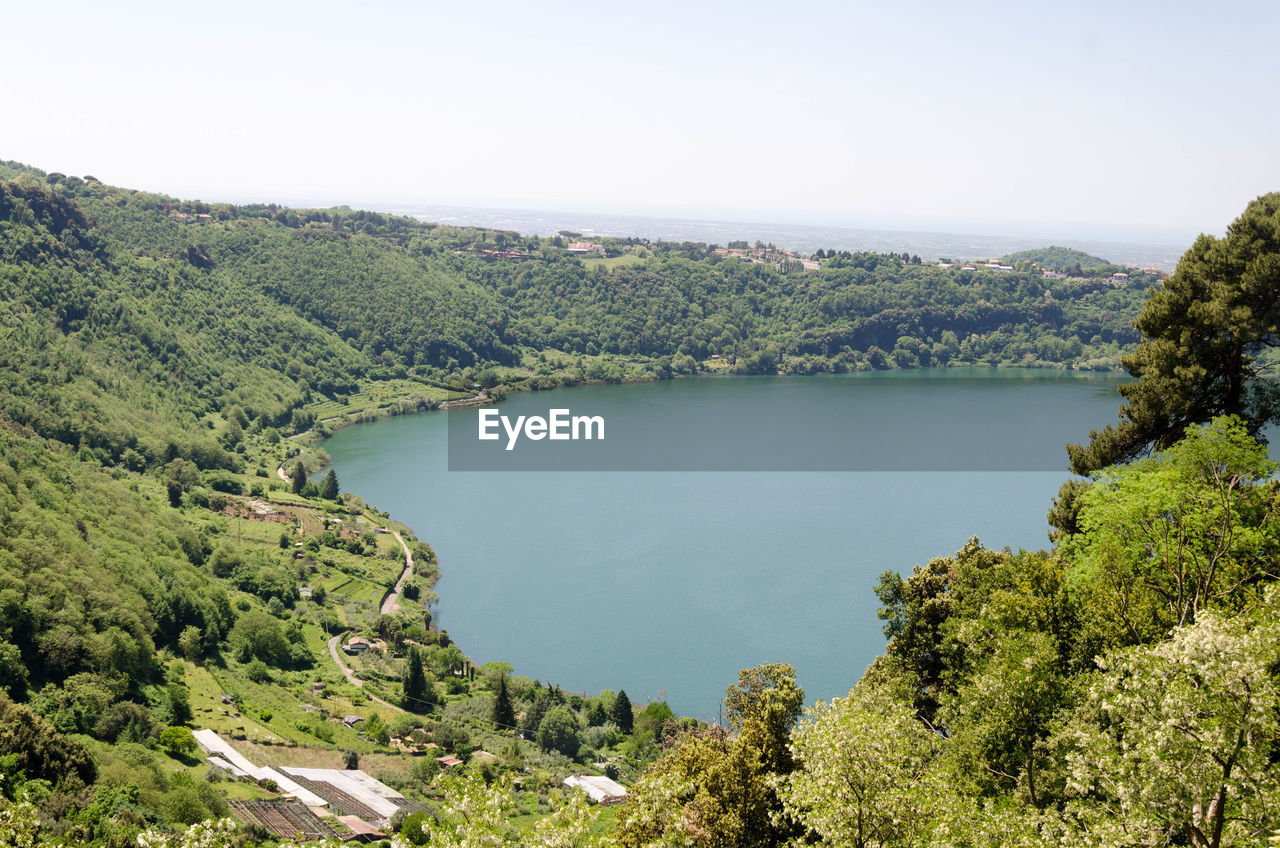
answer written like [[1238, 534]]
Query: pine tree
[[621, 712], [329, 488], [1203, 330], [299, 477], [504, 715], [415, 683]]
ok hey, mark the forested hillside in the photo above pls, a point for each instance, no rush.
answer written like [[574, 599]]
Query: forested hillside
[[1063, 259], [418, 299], [159, 569], [168, 562]]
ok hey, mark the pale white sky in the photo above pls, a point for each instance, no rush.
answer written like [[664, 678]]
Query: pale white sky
[[1143, 121]]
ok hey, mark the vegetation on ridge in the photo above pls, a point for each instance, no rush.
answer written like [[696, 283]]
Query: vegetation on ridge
[[168, 364]]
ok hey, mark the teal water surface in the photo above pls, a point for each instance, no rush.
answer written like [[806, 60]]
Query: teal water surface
[[666, 583]]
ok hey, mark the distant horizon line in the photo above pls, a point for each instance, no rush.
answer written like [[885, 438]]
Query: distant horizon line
[[1155, 236], [803, 227], [800, 237], [414, 210]]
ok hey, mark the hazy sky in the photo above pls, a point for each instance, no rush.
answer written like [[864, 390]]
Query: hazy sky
[[1150, 121]]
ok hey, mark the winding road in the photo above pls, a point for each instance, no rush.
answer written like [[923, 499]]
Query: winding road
[[351, 675], [390, 606], [391, 603]]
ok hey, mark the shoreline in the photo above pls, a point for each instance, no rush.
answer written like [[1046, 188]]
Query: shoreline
[[481, 399], [339, 422]]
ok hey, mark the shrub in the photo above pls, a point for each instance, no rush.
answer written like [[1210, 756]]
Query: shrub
[[177, 740]]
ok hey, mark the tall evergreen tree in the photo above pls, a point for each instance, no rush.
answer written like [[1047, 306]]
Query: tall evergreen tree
[[621, 713], [415, 683], [504, 715], [299, 477], [533, 716], [329, 488]]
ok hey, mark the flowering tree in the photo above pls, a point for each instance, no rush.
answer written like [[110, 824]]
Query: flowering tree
[[870, 773], [476, 815], [1186, 733], [19, 825]]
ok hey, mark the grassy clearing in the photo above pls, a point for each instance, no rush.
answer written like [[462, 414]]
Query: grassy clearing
[[526, 820], [380, 397], [612, 261]]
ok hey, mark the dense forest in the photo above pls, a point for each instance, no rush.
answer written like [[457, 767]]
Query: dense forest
[[168, 562], [424, 300]]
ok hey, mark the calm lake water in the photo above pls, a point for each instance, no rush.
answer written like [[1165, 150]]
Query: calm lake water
[[666, 583]]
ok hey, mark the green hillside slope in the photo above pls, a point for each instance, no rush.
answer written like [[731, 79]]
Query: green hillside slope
[[167, 562]]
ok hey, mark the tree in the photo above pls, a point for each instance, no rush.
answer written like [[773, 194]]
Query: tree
[[712, 788], [376, 730], [558, 731], [870, 773], [39, 751], [654, 718], [475, 814], [621, 712], [20, 824], [1202, 333], [533, 715], [413, 829], [999, 718], [125, 721], [189, 642], [351, 759], [329, 488], [926, 613], [1168, 536], [762, 707], [179, 704], [415, 684], [13, 672], [177, 740], [1186, 734], [257, 671], [184, 473], [256, 634], [504, 714], [299, 478]]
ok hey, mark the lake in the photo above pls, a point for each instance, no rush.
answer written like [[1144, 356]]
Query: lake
[[735, 553]]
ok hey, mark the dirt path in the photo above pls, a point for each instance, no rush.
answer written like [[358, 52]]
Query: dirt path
[[391, 603], [351, 675], [280, 473]]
